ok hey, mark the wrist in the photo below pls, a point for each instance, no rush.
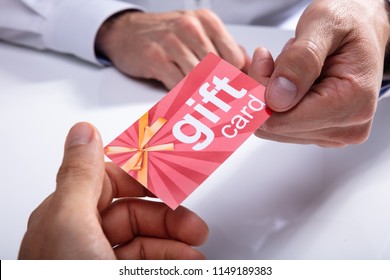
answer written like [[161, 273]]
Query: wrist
[[106, 33]]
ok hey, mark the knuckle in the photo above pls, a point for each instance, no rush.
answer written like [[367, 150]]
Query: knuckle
[[167, 40], [187, 23], [357, 138], [33, 218], [366, 114], [270, 127], [364, 105], [207, 14], [76, 169], [354, 136], [362, 133], [157, 61], [308, 55], [361, 138]]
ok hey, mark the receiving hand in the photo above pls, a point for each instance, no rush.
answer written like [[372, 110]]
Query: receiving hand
[[81, 221]]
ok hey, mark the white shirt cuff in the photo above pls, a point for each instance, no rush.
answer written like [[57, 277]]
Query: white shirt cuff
[[72, 28]]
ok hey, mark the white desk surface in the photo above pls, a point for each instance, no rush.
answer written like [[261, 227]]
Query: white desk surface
[[268, 201]]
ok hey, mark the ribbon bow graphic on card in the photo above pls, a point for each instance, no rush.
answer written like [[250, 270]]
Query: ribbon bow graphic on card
[[139, 161]]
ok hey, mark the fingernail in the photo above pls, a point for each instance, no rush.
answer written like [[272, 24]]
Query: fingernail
[[79, 134], [282, 93]]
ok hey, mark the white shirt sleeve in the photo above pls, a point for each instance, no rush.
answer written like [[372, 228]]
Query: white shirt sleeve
[[67, 26], [385, 89]]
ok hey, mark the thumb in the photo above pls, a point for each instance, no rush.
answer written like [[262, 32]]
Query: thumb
[[80, 178], [300, 62], [262, 66]]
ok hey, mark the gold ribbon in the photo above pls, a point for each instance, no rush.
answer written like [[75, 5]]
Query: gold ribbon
[[139, 161]]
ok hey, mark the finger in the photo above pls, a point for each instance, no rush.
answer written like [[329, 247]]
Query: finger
[[300, 64], [80, 177], [122, 184], [338, 136], [143, 248], [170, 75], [119, 184], [179, 52], [36, 215], [191, 32], [227, 48], [185, 61], [262, 66], [248, 60], [155, 64], [295, 140], [146, 218]]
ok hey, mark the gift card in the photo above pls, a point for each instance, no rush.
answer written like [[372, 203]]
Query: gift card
[[175, 146]]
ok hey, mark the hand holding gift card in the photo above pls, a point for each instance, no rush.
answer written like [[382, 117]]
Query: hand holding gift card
[[183, 138]]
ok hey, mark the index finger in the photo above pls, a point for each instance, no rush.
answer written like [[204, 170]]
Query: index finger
[[127, 219], [117, 184]]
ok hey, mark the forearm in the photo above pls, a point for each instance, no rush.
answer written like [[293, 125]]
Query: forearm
[[67, 26]]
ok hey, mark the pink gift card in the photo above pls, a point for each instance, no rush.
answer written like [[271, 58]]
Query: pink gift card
[[183, 138]]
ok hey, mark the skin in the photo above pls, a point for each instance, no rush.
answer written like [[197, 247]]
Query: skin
[[166, 46], [79, 220], [324, 85]]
